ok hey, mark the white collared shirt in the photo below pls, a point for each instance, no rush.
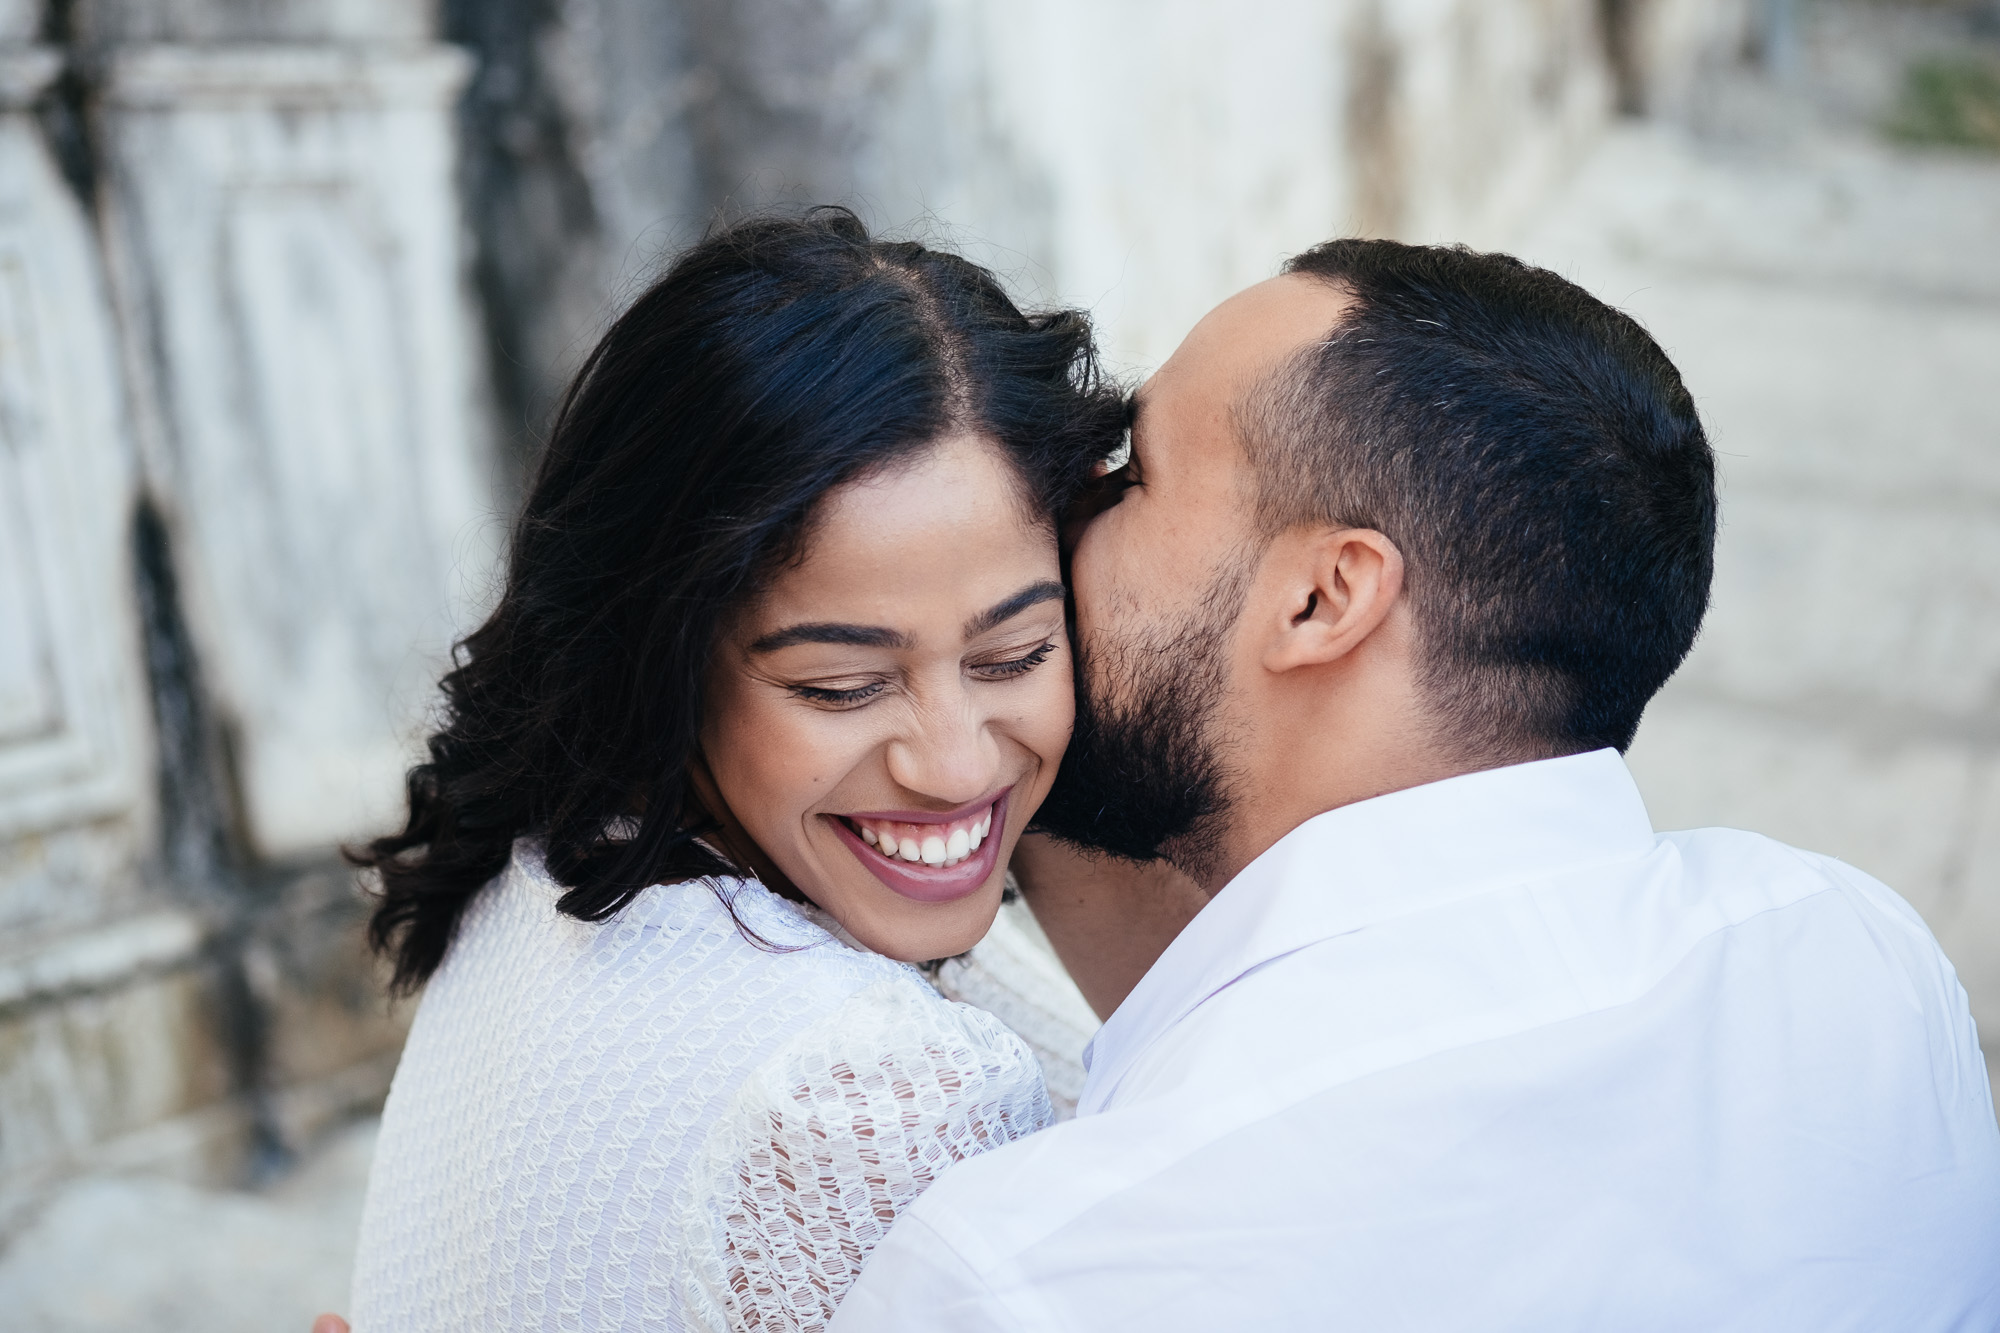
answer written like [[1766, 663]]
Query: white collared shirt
[[1492, 1054]]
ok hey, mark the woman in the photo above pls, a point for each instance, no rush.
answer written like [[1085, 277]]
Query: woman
[[778, 675]]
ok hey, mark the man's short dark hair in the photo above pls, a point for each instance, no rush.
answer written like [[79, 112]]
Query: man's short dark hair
[[1537, 460]]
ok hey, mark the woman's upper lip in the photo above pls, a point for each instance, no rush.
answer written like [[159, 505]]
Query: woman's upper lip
[[930, 816]]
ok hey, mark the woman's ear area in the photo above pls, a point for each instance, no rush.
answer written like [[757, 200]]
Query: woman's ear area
[[1336, 586], [703, 796]]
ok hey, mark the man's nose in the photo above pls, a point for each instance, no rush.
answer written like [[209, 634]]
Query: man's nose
[[949, 755]]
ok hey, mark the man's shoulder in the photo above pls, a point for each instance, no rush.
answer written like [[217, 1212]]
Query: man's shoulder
[[1757, 870], [1757, 873], [1761, 1004]]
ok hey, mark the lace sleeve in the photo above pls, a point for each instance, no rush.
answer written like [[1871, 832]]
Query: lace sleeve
[[1013, 975], [837, 1135]]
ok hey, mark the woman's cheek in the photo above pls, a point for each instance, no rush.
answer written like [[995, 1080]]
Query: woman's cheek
[[799, 754], [776, 753]]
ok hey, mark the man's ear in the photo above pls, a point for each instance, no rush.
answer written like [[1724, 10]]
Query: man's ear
[[1340, 585]]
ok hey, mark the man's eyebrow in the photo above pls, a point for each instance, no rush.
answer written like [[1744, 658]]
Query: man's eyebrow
[[1048, 590], [834, 632]]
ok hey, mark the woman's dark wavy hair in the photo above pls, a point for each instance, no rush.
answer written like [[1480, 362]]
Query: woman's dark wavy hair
[[774, 361]]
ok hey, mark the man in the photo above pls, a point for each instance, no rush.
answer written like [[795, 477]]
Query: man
[[1408, 539]]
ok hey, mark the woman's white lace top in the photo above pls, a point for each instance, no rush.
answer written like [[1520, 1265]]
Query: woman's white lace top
[[652, 1123]]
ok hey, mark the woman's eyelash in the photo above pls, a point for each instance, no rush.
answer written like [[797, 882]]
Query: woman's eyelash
[[1018, 665], [1015, 666], [818, 695]]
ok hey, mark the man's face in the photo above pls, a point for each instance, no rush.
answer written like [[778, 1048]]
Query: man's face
[[1159, 579]]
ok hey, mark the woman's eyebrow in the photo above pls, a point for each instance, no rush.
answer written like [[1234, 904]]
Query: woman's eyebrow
[[834, 632], [1048, 590], [876, 636]]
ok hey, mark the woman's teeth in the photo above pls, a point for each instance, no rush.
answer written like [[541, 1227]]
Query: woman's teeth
[[932, 844]]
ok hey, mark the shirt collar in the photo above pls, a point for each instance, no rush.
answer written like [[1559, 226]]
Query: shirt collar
[[1374, 860]]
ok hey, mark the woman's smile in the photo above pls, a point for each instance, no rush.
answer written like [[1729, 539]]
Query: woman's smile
[[928, 858]]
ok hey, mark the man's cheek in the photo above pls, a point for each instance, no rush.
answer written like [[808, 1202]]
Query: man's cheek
[[1086, 587], [1114, 575]]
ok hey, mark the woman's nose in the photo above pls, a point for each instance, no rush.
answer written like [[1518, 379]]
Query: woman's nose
[[948, 754]]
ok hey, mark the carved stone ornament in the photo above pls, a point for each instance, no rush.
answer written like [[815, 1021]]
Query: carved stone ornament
[[71, 709], [285, 233]]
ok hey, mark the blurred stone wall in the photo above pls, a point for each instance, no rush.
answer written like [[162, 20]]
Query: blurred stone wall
[[1141, 157], [288, 288], [243, 474]]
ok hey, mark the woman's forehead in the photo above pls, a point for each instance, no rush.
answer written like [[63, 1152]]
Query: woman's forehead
[[946, 531]]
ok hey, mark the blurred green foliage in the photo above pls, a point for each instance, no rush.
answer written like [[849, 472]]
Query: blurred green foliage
[[1950, 101]]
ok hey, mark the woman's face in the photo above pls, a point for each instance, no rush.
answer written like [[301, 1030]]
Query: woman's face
[[886, 717]]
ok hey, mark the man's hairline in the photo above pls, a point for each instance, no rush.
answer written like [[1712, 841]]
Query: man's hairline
[[1253, 437]]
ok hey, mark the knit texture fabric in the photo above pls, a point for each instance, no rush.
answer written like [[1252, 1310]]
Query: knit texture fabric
[[655, 1122]]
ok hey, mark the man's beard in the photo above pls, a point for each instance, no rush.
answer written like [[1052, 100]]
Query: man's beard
[[1144, 778]]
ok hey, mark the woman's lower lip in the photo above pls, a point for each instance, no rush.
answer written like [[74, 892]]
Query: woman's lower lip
[[928, 884]]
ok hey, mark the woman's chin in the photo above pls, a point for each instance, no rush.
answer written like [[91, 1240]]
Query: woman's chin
[[912, 932]]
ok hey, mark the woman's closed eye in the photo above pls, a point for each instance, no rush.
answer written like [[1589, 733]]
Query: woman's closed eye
[[843, 694], [839, 696], [1016, 666]]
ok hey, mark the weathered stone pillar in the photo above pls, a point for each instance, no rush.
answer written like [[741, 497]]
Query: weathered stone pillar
[[243, 471], [108, 1048], [287, 245]]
